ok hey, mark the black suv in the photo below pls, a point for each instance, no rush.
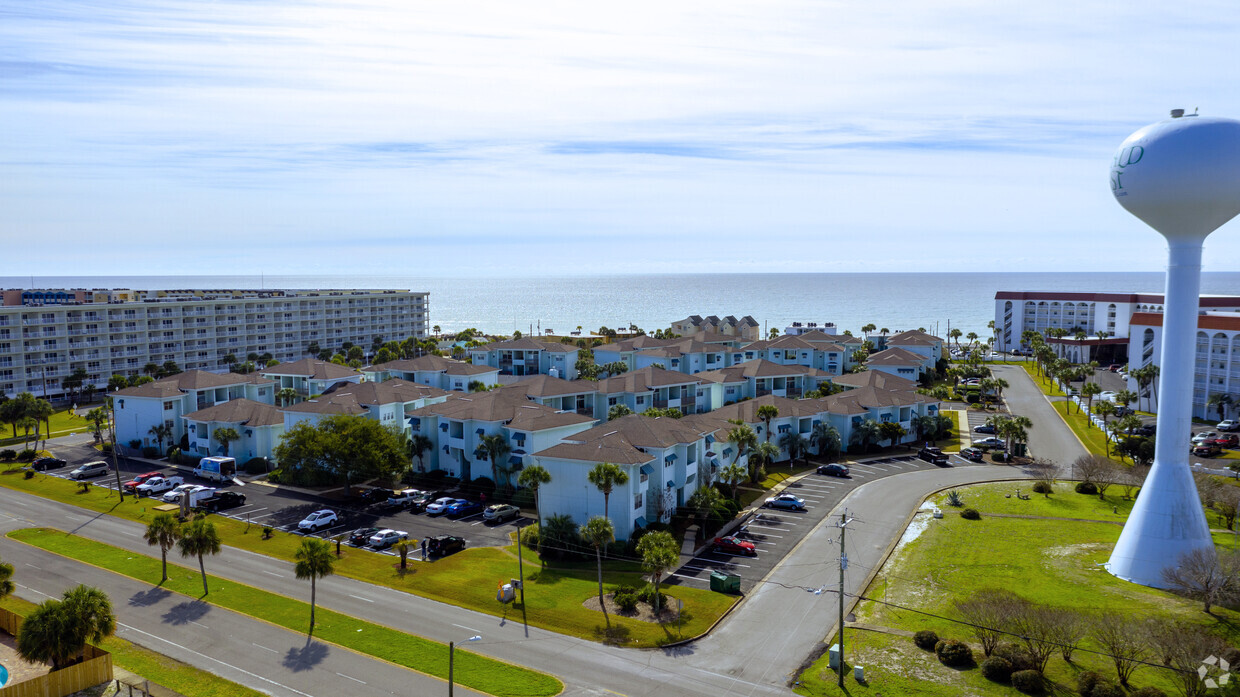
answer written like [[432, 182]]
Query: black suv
[[223, 500], [43, 464], [442, 545]]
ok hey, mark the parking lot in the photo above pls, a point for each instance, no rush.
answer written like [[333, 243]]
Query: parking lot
[[282, 510], [775, 532]]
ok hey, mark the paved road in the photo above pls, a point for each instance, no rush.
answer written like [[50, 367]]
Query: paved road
[[1050, 438]]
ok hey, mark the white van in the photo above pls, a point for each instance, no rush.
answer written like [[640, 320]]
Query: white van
[[90, 469]]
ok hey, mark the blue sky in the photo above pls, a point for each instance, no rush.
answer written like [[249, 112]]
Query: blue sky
[[509, 138]]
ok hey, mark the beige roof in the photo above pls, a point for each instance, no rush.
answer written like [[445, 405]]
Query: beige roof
[[877, 379], [189, 380], [330, 404], [386, 392], [505, 406], [312, 368], [759, 368], [872, 397], [432, 364], [636, 343], [526, 344], [644, 380], [547, 386], [157, 390], [913, 338], [895, 356], [240, 411], [621, 440]]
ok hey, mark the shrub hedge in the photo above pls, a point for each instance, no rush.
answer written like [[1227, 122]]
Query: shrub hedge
[[970, 514], [1028, 681], [997, 669], [926, 639], [952, 652]]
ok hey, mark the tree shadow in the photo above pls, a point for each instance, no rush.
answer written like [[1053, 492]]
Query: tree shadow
[[306, 657], [184, 613], [149, 597], [614, 635]]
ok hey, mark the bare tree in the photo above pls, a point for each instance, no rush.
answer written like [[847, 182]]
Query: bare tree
[[1123, 638], [1037, 627], [1043, 472], [1227, 505], [1201, 574], [1133, 478], [1066, 628], [1112, 473], [1183, 646], [1208, 487], [1089, 468], [990, 612]]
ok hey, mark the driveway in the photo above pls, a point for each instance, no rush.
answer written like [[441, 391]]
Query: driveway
[[1050, 438]]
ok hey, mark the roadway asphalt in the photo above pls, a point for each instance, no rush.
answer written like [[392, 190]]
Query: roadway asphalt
[[1049, 439]]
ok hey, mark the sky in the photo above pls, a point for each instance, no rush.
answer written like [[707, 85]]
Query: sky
[[500, 138]]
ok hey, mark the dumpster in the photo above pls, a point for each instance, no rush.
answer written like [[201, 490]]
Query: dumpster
[[1018, 449], [725, 583]]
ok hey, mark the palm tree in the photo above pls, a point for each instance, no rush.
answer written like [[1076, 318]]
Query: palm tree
[[826, 439], [606, 476], [1220, 401], [868, 328], [497, 449], [924, 425], [1125, 397], [287, 396], [766, 412], [163, 530], [98, 418], [6, 580], [865, 433], [89, 611], [533, 477], [955, 335], [796, 445], [659, 552], [198, 539], [225, 435], [162, 431], [314, 561], [743, 437], [763, 454], [1089, 390], [732, 475], [41, 411], [972, 337], [617, 411], [58, 630], [418, 445], [1105, 409], [599, 532]]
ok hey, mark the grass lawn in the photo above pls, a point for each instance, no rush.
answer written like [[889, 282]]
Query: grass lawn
[[63, 423], [466, 579], [478, 672], [961, 421], [1055, 561], [156, 667], [1091, 436]]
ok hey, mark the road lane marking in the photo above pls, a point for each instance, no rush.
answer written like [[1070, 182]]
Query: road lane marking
[[33, 566], [263, 647], [349, 677], [360, 598], [200, 624], [479, 631], [272, 573]]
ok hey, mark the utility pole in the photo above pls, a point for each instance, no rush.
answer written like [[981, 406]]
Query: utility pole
[[843, 525], [521, 577]]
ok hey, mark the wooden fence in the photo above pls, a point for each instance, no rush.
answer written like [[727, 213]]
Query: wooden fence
[[97, 668]]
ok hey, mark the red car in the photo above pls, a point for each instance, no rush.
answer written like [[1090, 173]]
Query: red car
[[1229, 440], [1207, 450], [732, 545], [132, 484]]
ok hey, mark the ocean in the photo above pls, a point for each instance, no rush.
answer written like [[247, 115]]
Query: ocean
[[897, 301]]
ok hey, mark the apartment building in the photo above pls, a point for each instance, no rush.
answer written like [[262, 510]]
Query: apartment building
[[45, 335], [1217, 360]]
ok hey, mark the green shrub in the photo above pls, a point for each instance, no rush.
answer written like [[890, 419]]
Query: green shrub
[[29, 474], [953, 498], [1043, 488], [999, 456], [268, 531], [26, 455], [257, 465], [1086, 681], [1028, 681], [174, 455], [970, 514], [1017, 655], [625, 598], [926, 639], [150, 452], [106, 448], [482, 486], [1149, 692], [997, 669], [529, 536], [1086, 488], [952, 652], [647, 595], [1107, 689], [8, 455], [523, 498]]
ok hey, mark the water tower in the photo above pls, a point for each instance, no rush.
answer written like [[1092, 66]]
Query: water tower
[[1182, 177]]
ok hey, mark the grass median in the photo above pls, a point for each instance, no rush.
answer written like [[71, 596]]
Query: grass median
[[156, 667], [420, 654], [554, 594]]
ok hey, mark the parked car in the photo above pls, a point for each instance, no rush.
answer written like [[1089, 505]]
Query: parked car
[[402, 498], [934, 456], [361, 536], [372, 496], [733, 545], [42, 464], [1115, 367], [1146, 430], [972, 454], [1226, 440], [1228, 425], [440, 505], [500, 512], [989, 443], [441, 545], [1123, 411], [1204, 436], [90, 469], [174, 496], [833, 470], [222, 500], [984, 428], [318, 520], [132, 484], [1107, 396], [787, 502], [424, 499], [1207, 450], [463, 508], [386, 538], [158, 485]]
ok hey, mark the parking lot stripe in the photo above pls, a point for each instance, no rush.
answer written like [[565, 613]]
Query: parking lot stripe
[[691, 578]]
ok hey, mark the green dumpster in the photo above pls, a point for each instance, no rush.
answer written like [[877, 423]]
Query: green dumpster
[[1018, 449], [725, 583]]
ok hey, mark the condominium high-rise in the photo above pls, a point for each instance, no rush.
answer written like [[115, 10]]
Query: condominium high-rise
[[45, 335]]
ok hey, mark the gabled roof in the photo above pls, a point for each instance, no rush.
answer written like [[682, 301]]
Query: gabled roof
[[240, 411], [431, 363], [155, 390], [644, 380], [622, 440], [636, 343], [747, 410], [526, 344], [174, 385], [761, 368], [871, 397], [503, 406], [876, 379], [913, 337], [343, 403], [895, 356], [547, 386], [387, 392], [312, 368]]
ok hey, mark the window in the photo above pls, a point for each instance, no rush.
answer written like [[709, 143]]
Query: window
[[641, 400], [637, 501], [169, 406]]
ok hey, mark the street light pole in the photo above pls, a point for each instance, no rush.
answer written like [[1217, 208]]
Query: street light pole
[[452, 656]]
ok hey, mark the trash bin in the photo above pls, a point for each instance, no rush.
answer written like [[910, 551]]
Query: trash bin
[[1018, 449], [725, 583]]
